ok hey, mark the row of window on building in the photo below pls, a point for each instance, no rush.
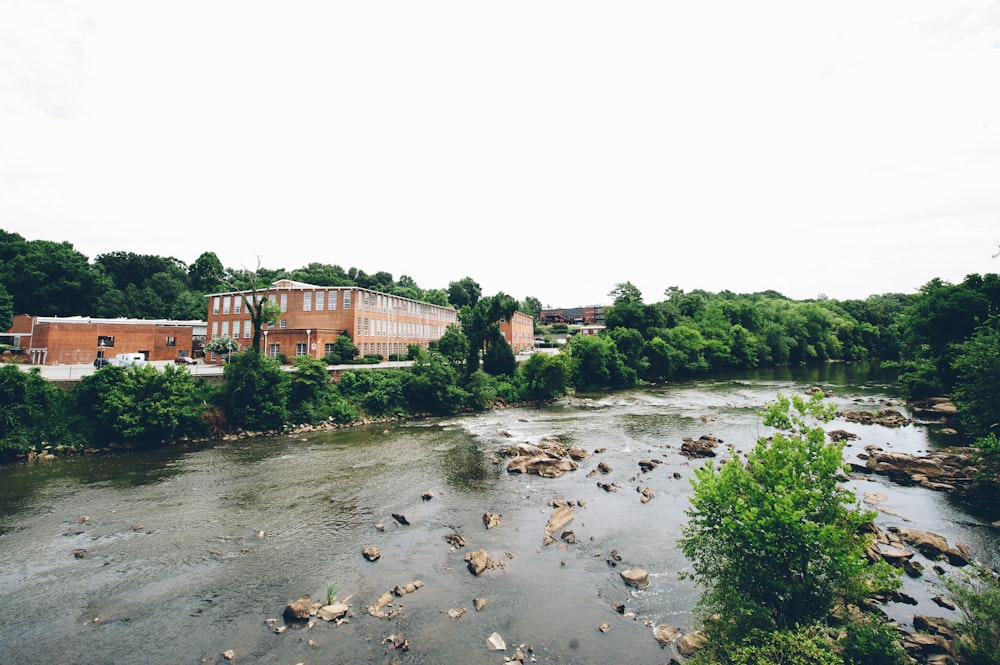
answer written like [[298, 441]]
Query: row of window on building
[[328, 300], [366, 327]]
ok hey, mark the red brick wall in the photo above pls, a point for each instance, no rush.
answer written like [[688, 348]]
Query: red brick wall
[[73, 342], [392, 323]]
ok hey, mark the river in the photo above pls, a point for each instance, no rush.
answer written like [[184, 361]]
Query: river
[[180, 554]]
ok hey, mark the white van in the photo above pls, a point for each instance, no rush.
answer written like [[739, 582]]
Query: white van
[[129, 359]]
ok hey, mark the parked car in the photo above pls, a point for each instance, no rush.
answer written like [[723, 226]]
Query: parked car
[[130, 359], [185, 360], [101, 362]]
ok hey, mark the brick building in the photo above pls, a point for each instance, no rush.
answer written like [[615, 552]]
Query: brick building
[[59, 340], [313, 317], [593, 314], [519, 331]]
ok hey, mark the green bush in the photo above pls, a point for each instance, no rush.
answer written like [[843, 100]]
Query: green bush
[[872, 641], [805, 645], [255, 393], [139, 404], [775, 540], [977, 595], [35, 412]]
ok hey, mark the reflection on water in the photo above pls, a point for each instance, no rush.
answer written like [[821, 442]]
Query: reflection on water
[[187, 552]]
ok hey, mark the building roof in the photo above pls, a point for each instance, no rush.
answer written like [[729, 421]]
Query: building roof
[[122, 321]]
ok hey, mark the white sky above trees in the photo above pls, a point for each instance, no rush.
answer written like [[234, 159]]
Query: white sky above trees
[[546, 149]]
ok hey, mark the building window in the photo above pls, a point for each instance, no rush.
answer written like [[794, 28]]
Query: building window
[[215, 304], [328, 349], [171, 341], [319, 300], [215, 329], [283, 323], [300, 348], [367, 326], [307, 301], [273, 350], [246, 329], [225, 328], [333, 299], [106, 341], [359, 326], [347, 299], [226, 302], [284, 302], [237, 304], [236, 329]]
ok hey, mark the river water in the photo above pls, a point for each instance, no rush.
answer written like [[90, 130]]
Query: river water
[[181, 554]]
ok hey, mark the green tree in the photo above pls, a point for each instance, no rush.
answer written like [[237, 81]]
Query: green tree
[[631, 346], [543, 376], [453, 345], [626, 292], [311, 394], [498, 358], [977, 595], [344, 350], [434, 387], [596, 364], [6, 309], [436, 297], [139, 404], [47, 278], [255, 289], [464, 293], [977, 391], [532, 306], [206, 273], [34, 412], [255, 392], [481, 325], [775, 540], [222, 346]]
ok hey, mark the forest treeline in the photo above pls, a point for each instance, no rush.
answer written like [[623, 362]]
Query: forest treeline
[[945, 339]]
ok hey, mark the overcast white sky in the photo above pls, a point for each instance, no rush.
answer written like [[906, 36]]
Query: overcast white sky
[[546, 149]]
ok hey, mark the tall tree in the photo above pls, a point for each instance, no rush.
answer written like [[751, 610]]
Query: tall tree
[[6, 309], [775, 540], [626, 292], [206, 273], [532, 306], [47, 278], [259, 308], [464, 293], [481, 325]]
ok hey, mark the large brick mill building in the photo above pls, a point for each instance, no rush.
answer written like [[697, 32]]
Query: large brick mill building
[[313, 317]]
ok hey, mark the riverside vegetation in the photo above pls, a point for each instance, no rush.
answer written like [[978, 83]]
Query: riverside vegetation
[[944, 339]]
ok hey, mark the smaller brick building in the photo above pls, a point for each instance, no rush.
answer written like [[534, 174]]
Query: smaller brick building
[[519, 331], [591, 315], [67, 340]]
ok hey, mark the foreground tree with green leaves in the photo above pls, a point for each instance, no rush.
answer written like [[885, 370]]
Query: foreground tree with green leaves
[[977, 595], [255, 393], [34, 410], [775, 541]]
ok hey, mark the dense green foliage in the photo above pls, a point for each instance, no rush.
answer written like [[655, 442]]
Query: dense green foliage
[[977, 595], [977, 388], [801, 645], [775, 540], [138, 404], [872, 640], [34, 412], [45, 278], [255, 393]]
